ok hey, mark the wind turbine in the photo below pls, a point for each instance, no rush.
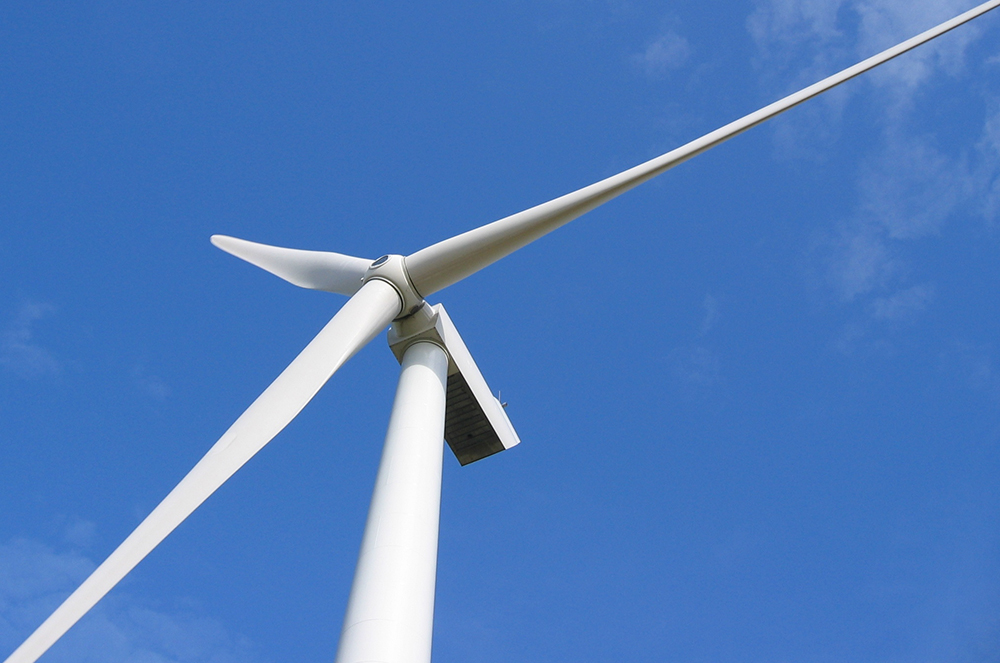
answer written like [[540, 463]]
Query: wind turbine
[[441, 395]]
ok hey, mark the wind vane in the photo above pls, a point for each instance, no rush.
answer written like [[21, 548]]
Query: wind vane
[[441, 395]]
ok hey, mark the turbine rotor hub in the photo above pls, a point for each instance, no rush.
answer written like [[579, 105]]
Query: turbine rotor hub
[[392, 270]]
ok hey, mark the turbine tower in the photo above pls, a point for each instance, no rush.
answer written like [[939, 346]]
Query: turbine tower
[[441, 395]]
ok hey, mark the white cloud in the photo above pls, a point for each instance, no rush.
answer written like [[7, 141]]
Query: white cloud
[[908, 188], [798, 41], [887, 22], [35, 578], [20, 352], [80, 533], [31, 572], [989, 168], [711, 307], [860, 261], [779, 25], [974, 365], [152, 385], [805, 40], [666, 53], [902, 305], [696, 366]]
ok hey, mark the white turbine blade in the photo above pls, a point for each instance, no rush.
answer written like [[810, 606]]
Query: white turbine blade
[[316, 270], [359, 321], [451, 260]]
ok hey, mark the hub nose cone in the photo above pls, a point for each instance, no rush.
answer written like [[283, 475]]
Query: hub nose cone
[[392, 269]]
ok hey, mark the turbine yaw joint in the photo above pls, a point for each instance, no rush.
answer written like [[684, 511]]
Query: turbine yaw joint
[[476, 425]]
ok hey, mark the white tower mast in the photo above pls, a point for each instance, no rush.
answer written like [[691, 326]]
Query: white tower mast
[[390, 614]]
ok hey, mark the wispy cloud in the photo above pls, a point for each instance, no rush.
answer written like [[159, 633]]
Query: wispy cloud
[[151, 385], [711, 308], [989, 150], [779, 27], [799, 42], [974, 365], [886, 22], [814, 38], [20, 352], [859, 259], [669, 51], [34, 578], [909, 188], [698, 364], [80, 533], [903, 305]]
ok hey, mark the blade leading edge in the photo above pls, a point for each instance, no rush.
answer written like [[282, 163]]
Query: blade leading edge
[[358, 322], [451, 260]]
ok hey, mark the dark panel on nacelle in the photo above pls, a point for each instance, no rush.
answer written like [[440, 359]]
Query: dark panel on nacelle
[[466, 428]]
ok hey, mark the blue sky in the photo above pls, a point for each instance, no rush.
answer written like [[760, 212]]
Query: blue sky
[[757, 397]]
